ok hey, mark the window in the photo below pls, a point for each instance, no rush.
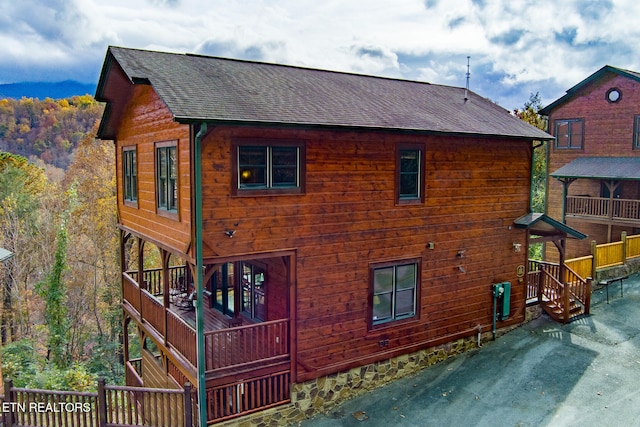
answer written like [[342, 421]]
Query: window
[[409, 176], [166, 176], [569, 134], [129, 174], [636, 132], [265, 166], [253, 292], [394, 292]]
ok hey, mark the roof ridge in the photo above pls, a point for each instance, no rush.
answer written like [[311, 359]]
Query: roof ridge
[[276, 64]]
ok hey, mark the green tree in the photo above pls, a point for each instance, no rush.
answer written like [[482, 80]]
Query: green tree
[[531, 114], [54, 292]]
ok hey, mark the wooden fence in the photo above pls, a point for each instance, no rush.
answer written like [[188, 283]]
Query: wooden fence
[[110, 406], [606, 255]]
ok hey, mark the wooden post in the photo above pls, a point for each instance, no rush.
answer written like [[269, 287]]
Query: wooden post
[[188, 406], [623, 237], [102, 404], [594, 260], [8, 397], [587, 306]]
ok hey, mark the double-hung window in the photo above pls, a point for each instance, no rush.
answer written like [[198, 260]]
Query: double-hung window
[[394, 291], [569, 133], [166, 177], [271, 166], [410, 173], [129, 175]]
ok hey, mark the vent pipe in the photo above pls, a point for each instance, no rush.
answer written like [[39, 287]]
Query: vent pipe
[[466, 89]]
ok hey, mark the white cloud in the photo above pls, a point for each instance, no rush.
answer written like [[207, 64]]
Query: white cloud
[[516, 47]]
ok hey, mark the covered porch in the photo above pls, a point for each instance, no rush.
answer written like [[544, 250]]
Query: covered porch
[[559, 290], [247, 350], [608, 190]]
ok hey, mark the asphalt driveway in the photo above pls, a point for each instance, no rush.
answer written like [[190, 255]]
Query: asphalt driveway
[[586, 373]]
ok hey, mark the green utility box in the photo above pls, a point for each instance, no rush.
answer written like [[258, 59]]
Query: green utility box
[[502, 297]]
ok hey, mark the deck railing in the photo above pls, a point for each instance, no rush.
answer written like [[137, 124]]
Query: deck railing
[[243, 397], [552, 290], [231, 347], [153, 278], [601, 207], [110, 406], [181, 336], [153, 311], [579, 288], [247, 344], [543, 284], [131, 291]]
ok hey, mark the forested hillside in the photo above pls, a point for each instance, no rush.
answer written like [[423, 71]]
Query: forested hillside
[[48, 129], [60, 322]]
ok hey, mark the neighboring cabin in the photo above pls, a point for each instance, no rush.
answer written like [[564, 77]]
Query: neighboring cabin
[[594, 163], [346, 219]]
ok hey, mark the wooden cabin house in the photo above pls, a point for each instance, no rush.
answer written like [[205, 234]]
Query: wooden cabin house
[[594, 162], [280, 224]]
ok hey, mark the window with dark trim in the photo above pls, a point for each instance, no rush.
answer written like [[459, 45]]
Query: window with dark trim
[[569, 133], [129, 174], [394, 291], [636, 132], [410, 173], [166, 176], [268, 166]]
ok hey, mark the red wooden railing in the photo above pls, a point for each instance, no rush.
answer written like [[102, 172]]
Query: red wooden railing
[[133, 372], [543, 279], [130, 291], [243, 397], [181, 336], [579, 288], [247, 344], [153, 278], [153, 311]]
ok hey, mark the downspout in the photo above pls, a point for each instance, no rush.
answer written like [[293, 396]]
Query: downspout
[[197, 195]]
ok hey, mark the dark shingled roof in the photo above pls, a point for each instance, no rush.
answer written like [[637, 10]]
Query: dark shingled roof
[[601, 168], [540, 224], [201, 88]]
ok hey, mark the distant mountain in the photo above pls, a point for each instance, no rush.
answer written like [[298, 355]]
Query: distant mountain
[[42, 90]]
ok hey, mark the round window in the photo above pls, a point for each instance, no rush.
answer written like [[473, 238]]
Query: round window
[[614, 95]]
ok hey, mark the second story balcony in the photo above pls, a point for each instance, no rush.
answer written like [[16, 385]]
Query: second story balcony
[[604, 210]]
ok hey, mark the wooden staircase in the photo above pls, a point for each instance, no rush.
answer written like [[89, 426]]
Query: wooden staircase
[[564, 300]]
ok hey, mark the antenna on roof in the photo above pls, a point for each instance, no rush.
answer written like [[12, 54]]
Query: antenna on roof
[[466, 89]]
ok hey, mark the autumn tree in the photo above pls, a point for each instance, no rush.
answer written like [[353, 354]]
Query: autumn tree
[[21, 187], [94, 255]]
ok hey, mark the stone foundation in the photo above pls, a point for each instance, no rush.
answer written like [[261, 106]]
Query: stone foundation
[[323, 394]]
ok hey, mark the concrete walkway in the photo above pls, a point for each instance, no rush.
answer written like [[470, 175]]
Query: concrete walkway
[[586, 373]]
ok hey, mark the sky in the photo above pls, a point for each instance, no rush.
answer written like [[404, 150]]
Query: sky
[[514, 48]]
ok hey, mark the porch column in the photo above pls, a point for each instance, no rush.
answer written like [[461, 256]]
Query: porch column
[[611, 186], [565, 192]]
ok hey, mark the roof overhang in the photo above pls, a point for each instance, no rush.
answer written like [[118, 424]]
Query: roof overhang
[[540, 224], [611, 168]]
